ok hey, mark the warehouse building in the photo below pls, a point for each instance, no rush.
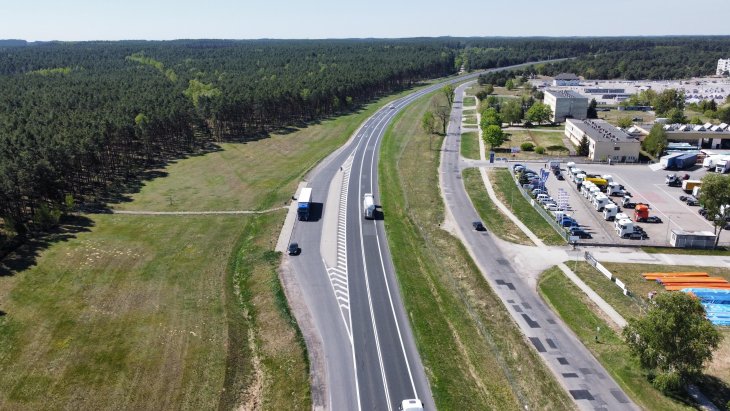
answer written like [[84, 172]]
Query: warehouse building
[[566, 79], [566, 104], [605, 142], [703, 136]]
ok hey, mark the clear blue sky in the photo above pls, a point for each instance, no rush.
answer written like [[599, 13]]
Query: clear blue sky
[[250, 19]]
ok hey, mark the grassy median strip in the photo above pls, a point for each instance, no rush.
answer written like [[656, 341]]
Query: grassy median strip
[[508, 193], [491, 216], [469, 101], [470, 145], [452, 310], [579, 313]]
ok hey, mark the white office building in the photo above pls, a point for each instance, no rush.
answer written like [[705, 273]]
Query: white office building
[[723, 66], [566, 104]]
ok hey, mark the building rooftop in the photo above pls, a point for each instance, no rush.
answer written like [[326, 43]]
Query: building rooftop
[[565, 94], [566, 76], [600, 130]]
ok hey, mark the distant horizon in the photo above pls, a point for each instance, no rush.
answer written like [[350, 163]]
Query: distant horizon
[[364, 38], [165, 20]]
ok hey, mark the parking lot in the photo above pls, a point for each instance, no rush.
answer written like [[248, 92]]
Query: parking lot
[[646, 186]]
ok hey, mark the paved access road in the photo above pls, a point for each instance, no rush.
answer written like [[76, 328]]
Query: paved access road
[[573, 365]]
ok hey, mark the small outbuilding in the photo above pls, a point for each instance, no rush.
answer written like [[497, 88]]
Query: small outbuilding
[[692, 239]]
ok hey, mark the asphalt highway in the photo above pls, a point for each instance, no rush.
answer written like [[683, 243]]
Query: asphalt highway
[[585, 379], [370, 358]]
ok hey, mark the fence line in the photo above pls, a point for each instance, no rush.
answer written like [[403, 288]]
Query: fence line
[[554, 224]]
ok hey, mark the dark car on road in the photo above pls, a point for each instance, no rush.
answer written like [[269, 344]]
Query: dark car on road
[[478, 226], [294, 249], [653, 219]]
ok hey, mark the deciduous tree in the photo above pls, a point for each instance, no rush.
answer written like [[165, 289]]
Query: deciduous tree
[[715, 199], [656, 141], [494, 136], [511, 111], [674, 339]]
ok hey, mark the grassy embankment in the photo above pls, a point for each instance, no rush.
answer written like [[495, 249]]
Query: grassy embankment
[[176, 312], [716, 381], [508, 193], [491, 216], [451, 307], [573, 307]]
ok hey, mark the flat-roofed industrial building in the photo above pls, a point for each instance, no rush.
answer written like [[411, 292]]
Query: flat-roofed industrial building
[[605, 142]]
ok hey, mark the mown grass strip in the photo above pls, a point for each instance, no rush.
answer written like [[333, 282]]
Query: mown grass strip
[[491, 216], [470, 145], [452, 310], [581, 316], [508, 193], [469, 101], [688, 251]]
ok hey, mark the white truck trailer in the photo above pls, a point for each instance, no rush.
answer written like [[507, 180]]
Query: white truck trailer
[[368, 206]]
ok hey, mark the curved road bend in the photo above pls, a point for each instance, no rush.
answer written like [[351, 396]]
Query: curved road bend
[[371, 361], [573, 365]]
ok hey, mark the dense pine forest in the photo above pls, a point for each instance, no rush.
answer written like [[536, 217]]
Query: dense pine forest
[[80, 121]]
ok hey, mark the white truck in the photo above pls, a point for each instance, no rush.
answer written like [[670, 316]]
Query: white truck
[[624, 227], [368, 206], [411, 405], [722, 166], [304, 204], [600, 201], [610, 211]]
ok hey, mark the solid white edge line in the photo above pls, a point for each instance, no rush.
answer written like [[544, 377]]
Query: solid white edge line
[[382, 265]]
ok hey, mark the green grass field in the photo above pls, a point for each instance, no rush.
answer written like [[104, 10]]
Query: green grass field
[[613, 116], [469, 101], [491, 216], [451, 307], [169, 312], [535, 136], [577, 312], [508, 193], [470, 145]]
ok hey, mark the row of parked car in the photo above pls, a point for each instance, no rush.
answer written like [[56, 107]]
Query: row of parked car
[[541, 195]]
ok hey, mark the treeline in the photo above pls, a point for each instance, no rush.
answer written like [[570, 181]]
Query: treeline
[[81, 120], [646, 58]]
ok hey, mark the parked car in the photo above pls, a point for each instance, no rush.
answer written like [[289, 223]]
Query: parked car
[[692, 201], [636, 235], [294, 249], [551, 207], [478, 226], [568, 222], [560, 176], [653, 219], [579, 232]]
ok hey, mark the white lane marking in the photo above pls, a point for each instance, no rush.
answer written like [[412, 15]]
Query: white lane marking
[[382, 265], [367, 281]]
